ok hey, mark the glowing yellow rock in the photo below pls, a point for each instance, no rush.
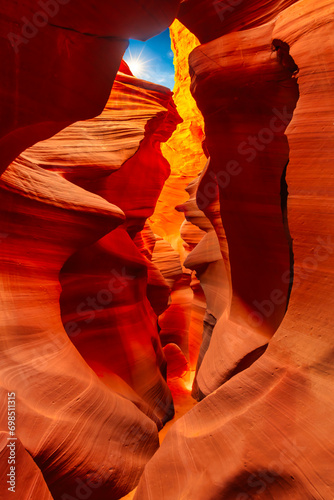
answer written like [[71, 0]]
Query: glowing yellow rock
[[184, 149]]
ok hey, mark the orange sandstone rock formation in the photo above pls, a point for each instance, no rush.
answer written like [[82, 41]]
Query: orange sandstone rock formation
[[24, 479], [264, 429], [247, 148], [184, 149], [97, 309], [186, 157], [61, 59], [206, 260], [105, 303], [68, 421]]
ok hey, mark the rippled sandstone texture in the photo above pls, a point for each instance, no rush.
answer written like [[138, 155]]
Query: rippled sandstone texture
[[96, 438], [105, 302], [264, 428], [31, 483], [68, 421], [248, 148], [183, 150], [53, 52], [206, 260]]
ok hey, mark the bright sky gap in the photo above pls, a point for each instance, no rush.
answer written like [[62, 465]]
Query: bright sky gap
[[152, 60]]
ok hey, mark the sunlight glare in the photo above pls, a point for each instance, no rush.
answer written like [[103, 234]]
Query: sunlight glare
[[138, 65], [188, 380]]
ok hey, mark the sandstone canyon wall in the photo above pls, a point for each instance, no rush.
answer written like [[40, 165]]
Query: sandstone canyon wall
[[61, 58], [183, 150], [263, 429], [70, 419], [151, 238]]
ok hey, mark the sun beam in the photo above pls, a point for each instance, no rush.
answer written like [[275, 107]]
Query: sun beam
[[137, 64]]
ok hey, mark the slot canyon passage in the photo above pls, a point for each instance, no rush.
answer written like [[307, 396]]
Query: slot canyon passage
[[167, 287]]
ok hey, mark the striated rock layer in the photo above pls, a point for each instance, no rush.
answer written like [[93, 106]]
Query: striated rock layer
[[23, 479], [209, 20], [61, 58], [97, 309], [105, 302], [264, 428], [184, 149], [68, 421], [248, 156], [88, 260], [206, 260], [183, 321]]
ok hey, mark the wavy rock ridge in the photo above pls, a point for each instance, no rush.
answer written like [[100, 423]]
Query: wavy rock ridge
[[263, 428], [83, 442], [116, 290]]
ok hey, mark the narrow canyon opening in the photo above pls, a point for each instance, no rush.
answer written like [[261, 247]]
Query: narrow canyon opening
[[165, 250], [198, 266]]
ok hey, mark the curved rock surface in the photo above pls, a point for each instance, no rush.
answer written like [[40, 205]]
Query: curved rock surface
[[225, 16], [174, 321], [205, 259], [61, 59], [248, 157], [104, 302], [63, 410], [23, 479], [264, 429], [183, 150], [98, 312]]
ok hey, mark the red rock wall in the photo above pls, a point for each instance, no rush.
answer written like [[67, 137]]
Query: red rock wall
[[68, 421], [264, 428], [248, 156], [97, 310], [53, 52], [104, 302], [206, 260], [209, 20]]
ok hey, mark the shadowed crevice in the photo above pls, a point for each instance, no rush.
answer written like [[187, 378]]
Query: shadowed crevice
[[284, 206], [248, 360]]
